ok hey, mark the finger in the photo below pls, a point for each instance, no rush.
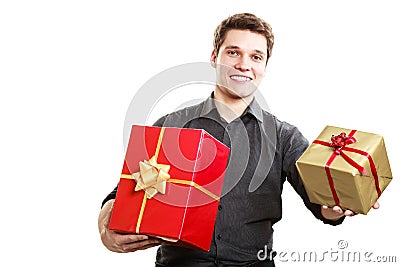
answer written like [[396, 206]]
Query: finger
[[140, 245], [349, 213], [150, 246], [122, 239], [136, 238], [376, 205], [337, 209]]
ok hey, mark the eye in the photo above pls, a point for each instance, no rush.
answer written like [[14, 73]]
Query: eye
[[232, 52], [258, 58]]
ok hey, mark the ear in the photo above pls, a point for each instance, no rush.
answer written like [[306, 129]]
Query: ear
[[213, 59]]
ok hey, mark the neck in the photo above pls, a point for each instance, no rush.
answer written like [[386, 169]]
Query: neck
[[230, 108]]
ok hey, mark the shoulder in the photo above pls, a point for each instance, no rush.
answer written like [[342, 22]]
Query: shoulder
[[180, 117], [285, 132]]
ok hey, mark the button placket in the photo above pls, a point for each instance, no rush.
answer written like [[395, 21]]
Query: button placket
[[227, 135]]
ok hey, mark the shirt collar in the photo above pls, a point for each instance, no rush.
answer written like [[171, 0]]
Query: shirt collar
[[253, 108], [208, 106]]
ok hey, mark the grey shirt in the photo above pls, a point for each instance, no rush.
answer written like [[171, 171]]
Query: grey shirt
[[263, 155]]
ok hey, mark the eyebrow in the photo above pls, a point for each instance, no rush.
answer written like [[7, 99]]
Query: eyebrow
[[237, 47]]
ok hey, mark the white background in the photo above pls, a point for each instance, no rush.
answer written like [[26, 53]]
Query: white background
[[69, 69]]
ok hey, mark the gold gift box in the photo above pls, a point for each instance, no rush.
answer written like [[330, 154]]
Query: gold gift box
[[325, 175]]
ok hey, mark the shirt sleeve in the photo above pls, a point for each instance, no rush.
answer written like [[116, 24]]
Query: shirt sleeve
[[110, 196], [294, 145]]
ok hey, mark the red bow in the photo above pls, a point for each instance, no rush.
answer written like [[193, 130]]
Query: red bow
[[341, 140]]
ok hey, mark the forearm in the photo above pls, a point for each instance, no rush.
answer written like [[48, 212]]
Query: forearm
[[104, 216]]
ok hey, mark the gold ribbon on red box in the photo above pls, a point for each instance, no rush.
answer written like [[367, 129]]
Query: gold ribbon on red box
[[152, 178]]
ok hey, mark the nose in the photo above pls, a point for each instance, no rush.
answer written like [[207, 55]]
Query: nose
[[243, 64]]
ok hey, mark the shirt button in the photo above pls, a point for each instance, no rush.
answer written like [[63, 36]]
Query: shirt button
[[228, 127], [219, 237], [219, 207]]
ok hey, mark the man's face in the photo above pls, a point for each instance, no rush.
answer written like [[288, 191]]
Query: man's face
[[240, 63]]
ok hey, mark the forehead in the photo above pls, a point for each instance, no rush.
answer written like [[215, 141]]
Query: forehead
[[245, 39]]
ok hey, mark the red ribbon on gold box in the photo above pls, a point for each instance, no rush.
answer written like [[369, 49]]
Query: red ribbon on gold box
[[346, 168]]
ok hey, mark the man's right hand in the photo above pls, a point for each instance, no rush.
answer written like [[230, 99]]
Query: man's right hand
[[121, 242]]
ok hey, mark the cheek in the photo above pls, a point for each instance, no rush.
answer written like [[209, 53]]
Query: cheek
[[224, 60], [260, 72], [223, 68]]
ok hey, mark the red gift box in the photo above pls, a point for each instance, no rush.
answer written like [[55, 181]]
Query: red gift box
[[170, 185]]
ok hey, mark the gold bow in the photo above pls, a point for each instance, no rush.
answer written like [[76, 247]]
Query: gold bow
[[152, 177]]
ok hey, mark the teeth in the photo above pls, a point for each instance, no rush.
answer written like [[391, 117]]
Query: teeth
[[240, 78]]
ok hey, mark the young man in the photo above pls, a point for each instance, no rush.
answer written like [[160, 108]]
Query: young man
[[263, 155]]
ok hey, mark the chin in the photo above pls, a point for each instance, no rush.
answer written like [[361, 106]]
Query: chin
[[241, 92], [241, 95], [236, 93]]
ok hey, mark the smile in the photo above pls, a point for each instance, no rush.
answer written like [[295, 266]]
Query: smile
[[240, 78]]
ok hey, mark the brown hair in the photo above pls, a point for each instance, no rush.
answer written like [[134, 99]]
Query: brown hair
[[244, 21]]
